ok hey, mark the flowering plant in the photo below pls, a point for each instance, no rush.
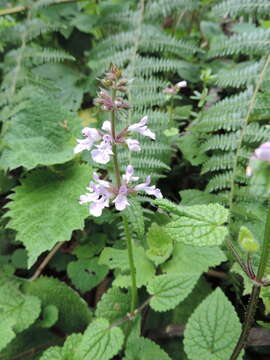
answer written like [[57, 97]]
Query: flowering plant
[[100, 192]]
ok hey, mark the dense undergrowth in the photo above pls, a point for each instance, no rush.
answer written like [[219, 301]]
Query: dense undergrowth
[[160, 279]]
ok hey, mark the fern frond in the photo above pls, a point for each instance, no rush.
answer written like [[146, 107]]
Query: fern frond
[[256, 42], [163, 8], [221, 142], [240, 7], [240, 75], [45, 55], [218, 162]]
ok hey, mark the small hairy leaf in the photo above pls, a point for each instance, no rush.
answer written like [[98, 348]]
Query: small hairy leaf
[[43, 133], [142, 348], [160, 244], [17, 312], [99, 341], [41, 201], [213, 329], [74, 313], [200, 225], [85, 274], [188, 259], [168, 290], [113, 305]]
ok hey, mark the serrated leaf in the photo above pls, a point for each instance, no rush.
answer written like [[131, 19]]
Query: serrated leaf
[[118, 259], [99, 341], [200, 225], [168, 290], [17, 312], [66, 352], [74, 313], [43, 133], [213, 329], [135, 216], [85, 274], [145, 349], [113, 305], [188, 259], [41, 201], [159, 243]]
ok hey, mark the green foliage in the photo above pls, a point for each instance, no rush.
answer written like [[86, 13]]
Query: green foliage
[[142, 348], [43, 198], [40, 134], [17, 311], [85, 274], [99, 341], [168, 290], [200, 225], [113, 305], [188, 259], [213, 329], [118, 259], [159, 243], [74, 314]]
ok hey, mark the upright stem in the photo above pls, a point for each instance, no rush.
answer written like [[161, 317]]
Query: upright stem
[[134, 295], [132, 268], [254, 297], [114, 148]]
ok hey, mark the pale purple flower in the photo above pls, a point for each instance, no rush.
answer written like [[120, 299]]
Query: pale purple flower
[[133, 144], [173, 90], [101, 192], [92, 135], [103, 151], [150, 190], [128, 176], [98, 196], [142, 128], [106, 126], [263, 152], [121, 201]]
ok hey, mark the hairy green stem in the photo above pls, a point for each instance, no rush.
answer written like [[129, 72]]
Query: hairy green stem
[[134, 294], [114, 147], [254, 297]]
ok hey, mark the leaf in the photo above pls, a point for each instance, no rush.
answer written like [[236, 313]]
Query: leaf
[[93, 246], [43, 133], [213, 329], [188, 259], [134, 214], [66, 352], [184, 310], [74, 313], [17, 312], [118, 259], [145, 349], [168, 290], [199, 225], [85, 274], [41, 201], [160, 244], [99, 341], [49, 316], [26, 341], [113, 305]]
